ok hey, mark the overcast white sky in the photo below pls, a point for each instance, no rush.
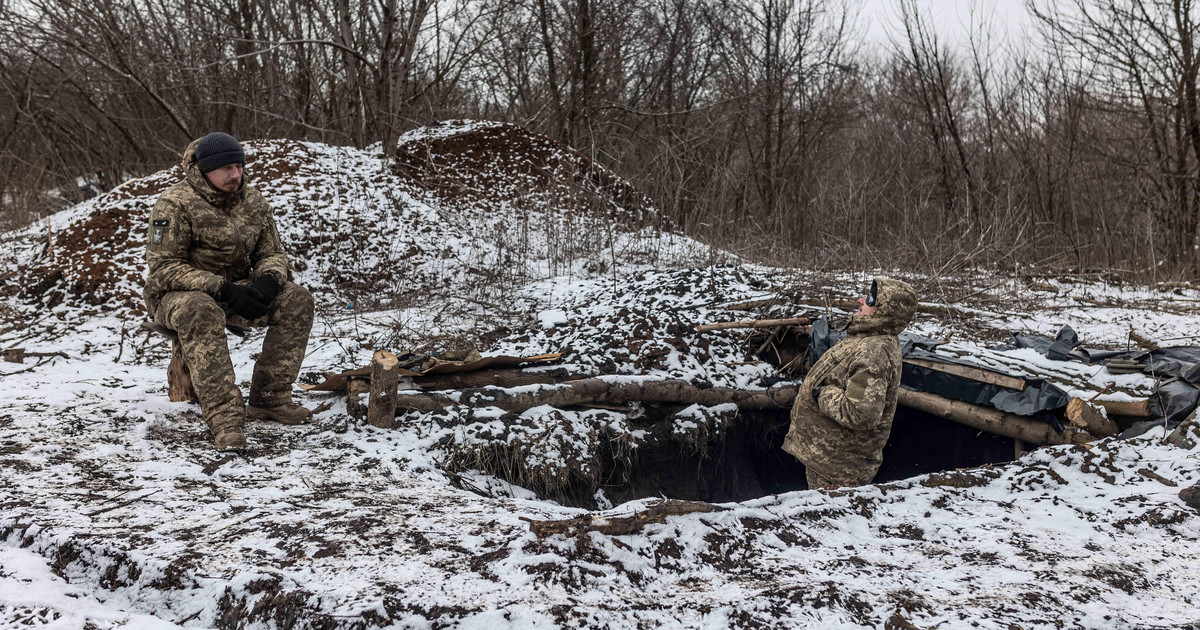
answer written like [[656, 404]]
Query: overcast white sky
[[1007, 18]]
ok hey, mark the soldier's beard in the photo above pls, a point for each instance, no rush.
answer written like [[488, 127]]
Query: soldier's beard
[[228, 186]]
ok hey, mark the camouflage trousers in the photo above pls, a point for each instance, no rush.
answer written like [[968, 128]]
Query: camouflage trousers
[[200, 321], [847, 478]]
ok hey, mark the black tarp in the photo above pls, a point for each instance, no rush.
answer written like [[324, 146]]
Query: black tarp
[[1039, 398], [1176, 369]]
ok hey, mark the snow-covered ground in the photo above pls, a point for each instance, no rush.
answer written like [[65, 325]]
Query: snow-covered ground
[[115, 511]]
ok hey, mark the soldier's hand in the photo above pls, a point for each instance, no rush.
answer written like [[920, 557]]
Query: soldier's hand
[[267, 286], [244, 300]]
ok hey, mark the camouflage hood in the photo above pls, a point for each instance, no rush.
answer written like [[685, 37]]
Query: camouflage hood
[[895, 305], [200, 184]]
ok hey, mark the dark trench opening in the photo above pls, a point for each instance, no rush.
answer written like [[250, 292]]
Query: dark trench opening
[[746, 460]]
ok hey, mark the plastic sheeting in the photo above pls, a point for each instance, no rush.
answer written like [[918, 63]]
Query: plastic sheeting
[[1176, 369], [1039, 398]]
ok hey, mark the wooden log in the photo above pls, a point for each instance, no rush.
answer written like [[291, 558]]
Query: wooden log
[[594, 390], [356, 398], [15, 355], [381, 409], [991, 420], [780, 397], [492, 378], [179, 376], [1090, 418], [619, 525], [1144, 342], [1139, 408], [754, 323], [972, 373]]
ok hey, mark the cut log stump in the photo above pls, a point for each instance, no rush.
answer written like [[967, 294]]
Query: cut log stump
[[356, 398], [385, 373], [179, 377]]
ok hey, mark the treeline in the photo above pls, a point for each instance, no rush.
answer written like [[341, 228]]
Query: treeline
[[766, 126]]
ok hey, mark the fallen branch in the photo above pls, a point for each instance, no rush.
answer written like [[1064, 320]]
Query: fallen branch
[[1144, 342], [17, 355], [122, 504], [619, 525], [754, 323]]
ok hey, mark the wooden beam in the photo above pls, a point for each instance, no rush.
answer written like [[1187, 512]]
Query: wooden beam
[[992, 420], [381, 409], [973, 373]]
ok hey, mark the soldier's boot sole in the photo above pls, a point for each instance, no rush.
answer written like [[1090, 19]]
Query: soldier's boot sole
[[287, 413]]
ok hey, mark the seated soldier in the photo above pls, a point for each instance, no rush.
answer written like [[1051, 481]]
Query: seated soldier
[[214, 258]]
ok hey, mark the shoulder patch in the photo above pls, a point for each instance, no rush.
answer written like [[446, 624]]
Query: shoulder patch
[[160, 226]]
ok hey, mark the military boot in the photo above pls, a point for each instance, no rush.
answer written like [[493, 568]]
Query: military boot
[[286, 412], [227, 433]]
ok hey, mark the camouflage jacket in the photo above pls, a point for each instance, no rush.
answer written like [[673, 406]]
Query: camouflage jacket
[[841, 436], [199, 237]]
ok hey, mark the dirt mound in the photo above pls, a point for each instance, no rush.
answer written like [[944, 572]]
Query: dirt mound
[[490, 164], [486, 205]]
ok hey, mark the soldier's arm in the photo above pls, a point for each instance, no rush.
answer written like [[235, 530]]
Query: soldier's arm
[[860, 405], [167, 243], [268, 255]]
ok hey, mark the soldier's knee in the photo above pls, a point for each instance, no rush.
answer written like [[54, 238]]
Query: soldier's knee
[[199, 311], [295, 301]]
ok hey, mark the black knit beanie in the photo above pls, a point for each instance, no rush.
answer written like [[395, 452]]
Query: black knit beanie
[[216, 150]]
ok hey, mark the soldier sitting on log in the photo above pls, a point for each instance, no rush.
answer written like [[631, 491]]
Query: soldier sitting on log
[[843, 411], [214, 258]]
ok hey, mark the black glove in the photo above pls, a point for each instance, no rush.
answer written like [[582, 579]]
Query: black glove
[[267, 286], [244, 300], [816, 392]]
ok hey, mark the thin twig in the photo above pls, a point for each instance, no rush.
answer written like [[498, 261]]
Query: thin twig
[[121, 505]]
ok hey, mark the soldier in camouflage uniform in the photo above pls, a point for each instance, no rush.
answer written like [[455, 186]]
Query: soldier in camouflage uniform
[[215, 258], [843, 412]]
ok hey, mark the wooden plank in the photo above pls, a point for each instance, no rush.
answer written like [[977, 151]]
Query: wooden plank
[[974, 373]]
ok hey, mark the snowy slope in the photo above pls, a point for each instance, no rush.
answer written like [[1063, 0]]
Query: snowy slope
[[116, 512]]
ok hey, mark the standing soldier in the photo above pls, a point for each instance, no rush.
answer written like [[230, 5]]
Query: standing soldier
[[214, 259], [843, 412]]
